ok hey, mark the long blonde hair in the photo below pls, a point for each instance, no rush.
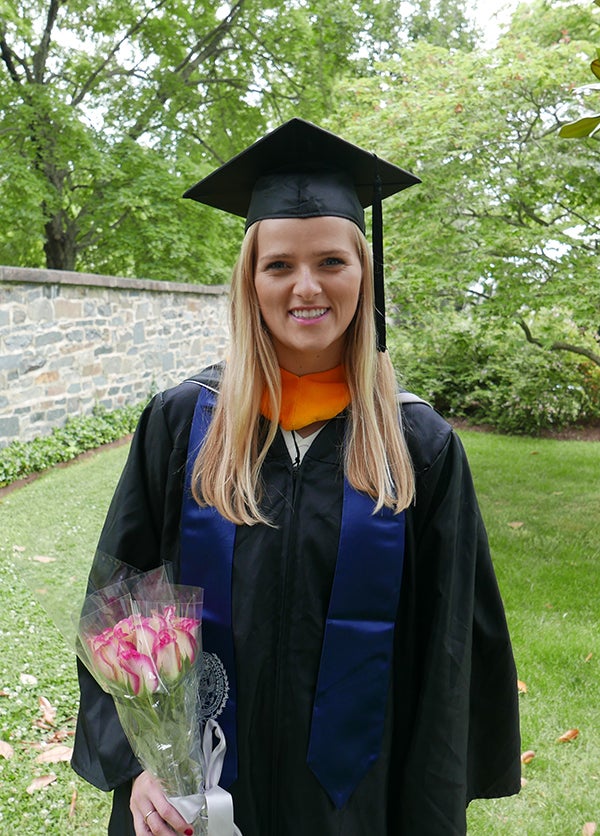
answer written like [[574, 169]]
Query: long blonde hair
[[226, 473]]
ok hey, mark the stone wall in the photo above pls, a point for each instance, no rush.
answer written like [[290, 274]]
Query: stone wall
[[70, 341]]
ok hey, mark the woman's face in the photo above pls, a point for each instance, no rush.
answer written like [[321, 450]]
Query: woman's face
[[308, 278]]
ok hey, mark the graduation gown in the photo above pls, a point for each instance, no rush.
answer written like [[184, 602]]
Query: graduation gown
[[451, 725]]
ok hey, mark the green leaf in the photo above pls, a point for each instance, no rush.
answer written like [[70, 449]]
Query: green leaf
[[595, 67], [582, 127]]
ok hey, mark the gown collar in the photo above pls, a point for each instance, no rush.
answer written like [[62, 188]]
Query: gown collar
[[309, 398]]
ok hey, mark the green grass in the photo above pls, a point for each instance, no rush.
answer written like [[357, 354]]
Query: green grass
[[549, 577], [57, 516], [547, 570]]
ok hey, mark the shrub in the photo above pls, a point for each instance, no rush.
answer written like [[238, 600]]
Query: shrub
[[81, 433], [492, 376]]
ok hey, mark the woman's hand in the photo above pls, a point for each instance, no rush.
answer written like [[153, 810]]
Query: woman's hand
[[151, 811]]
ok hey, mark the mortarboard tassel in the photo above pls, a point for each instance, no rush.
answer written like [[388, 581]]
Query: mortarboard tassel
[[377, 236]]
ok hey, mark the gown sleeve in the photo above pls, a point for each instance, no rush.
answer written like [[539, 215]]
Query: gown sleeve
[[456, 724], [133, 533]]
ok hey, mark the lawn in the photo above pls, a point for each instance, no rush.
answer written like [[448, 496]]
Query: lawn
[[541, 503]]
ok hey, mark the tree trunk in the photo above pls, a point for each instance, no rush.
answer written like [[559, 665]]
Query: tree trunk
[[59, 245]]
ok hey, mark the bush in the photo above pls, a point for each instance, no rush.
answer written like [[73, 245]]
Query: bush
[[21, 458], [493, 376]]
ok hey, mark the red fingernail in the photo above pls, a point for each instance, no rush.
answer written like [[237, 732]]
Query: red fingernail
[[189, 832]]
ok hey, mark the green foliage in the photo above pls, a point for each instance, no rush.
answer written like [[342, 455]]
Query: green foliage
[[79, 434], [442, 23], [108, 112], [489, 376], [506, 219]]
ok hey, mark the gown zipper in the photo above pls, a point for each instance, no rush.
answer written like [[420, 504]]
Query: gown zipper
[[287, 554]]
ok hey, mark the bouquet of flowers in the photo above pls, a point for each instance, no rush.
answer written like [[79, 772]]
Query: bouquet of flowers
[[140, 638]]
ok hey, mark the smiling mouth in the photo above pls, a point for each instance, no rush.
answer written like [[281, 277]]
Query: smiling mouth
[[308, 313]]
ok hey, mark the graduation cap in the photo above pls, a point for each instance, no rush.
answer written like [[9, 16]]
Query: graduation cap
[[302, 171]]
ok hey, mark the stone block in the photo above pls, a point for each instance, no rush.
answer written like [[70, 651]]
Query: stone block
[[46, 377], [56, 415], [31, 362], [67, 308], [40, 310], [9, 428], [18, 340], [139, 335], [49, 338], [19, 315]]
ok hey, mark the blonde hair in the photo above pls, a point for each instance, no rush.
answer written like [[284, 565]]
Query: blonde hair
[[227, 470]]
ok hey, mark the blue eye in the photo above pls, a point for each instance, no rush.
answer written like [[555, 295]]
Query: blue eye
[[333, 261], [276, 265]]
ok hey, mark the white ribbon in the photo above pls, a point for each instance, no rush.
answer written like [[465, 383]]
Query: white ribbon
[[189, 806], [219, 803]]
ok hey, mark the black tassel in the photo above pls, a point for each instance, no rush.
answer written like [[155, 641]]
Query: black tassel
[[378, 277]]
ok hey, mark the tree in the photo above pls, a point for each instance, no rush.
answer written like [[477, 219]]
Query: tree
[[507, 220], [110, 110], [443, 23]]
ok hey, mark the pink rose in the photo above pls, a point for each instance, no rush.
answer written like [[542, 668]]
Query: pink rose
[[144, 635], [139, 669], [186, 630], [167, 654]]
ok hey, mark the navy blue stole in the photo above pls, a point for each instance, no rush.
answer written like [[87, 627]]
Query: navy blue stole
[[354, 674]]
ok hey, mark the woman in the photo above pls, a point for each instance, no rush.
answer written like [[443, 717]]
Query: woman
[[348, 585]]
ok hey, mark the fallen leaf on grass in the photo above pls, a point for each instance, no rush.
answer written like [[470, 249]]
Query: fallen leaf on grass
[[48, 711], [40, 782], [516, 525], [18, 548], [587, 659], [568, 735], [527, 756], [589, 828], [4, 694], [56, 753], [41, 558], [521, 687], [6, 750], [60, 735], [28, 679], [73, 804]]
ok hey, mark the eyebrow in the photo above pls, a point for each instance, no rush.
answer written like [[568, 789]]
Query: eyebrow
[[277, 256]]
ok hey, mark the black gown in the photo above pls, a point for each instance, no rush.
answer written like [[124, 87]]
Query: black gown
[[451, 726]]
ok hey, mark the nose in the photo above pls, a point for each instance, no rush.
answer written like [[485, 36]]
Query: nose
[[307, 284]]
